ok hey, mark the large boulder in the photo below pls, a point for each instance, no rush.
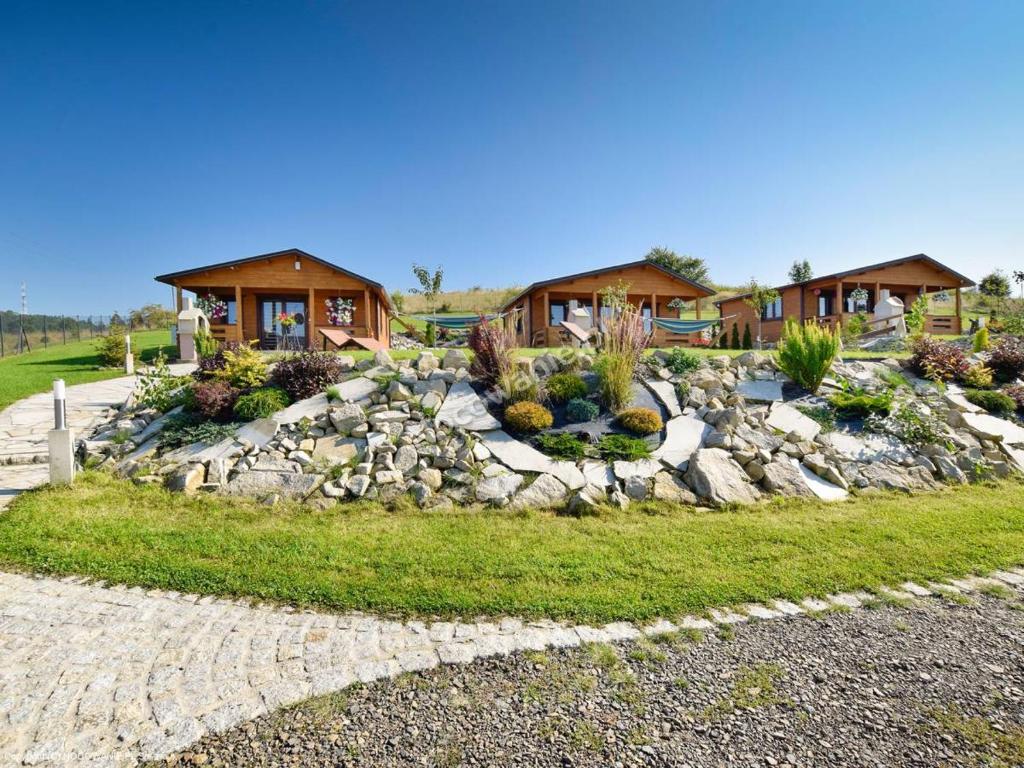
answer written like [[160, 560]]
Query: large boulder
[[587, 499], [499, 489], [668, 487], [187, 478], [347, 417], [455, 359], [285, 484], [715, 477]]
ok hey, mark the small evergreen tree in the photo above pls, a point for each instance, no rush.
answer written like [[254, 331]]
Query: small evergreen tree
[[801, 271], [747, 343], [723, 341], [736, 336]]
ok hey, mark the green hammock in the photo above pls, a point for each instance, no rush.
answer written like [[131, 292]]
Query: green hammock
[[456, 323], [683, 326]]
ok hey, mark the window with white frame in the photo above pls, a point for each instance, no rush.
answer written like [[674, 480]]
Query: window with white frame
[[773, 311]]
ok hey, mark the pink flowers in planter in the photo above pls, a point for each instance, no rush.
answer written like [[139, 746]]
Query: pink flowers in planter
[[214, 308]]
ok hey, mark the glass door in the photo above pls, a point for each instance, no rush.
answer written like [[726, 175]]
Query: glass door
[[283, 324]]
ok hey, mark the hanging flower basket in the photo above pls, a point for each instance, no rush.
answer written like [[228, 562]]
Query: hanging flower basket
[[340, 311], [215, 309], [859, 295]]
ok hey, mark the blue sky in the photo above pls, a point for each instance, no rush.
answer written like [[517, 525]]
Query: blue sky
[[506, 141]]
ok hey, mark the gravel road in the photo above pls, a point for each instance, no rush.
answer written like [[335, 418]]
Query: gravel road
[[939, 683]]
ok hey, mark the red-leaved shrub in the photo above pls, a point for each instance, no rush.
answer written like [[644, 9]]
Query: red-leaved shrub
[[492, 346], [213, 400], [306, 374], [938, 360], [1007, 358]]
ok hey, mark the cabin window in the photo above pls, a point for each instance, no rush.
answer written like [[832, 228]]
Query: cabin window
[[558, 311], [773, 311], [645, 311]]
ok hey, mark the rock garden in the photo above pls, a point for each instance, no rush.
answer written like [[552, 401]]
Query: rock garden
[[574, 430]]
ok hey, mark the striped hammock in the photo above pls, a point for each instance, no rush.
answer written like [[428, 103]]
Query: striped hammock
[[456, 323], [683, 326]]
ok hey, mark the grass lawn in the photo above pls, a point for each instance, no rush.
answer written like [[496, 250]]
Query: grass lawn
[[76, 363], [654, 560]]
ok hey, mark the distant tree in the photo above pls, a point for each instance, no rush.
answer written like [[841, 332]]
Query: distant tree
[[398, 299], [995, 285], [759, 297], [151, 316], [801, 271], [735, 337], [690, 267], [747, 343], [1018, 278], [430, 284]]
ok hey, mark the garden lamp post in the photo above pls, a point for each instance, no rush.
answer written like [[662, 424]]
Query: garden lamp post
[[129, 358], [61, 439]]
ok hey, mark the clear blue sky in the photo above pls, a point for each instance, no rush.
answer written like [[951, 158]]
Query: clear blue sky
[[507, 141]]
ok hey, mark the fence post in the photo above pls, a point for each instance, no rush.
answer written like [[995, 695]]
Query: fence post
[[1, 334], [63, 331], [46, 341]]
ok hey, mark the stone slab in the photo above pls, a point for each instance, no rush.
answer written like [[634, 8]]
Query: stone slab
[[868, 447], [993, 428], [665, 391], [259, 432], [310, 408], [645, 468], [154, 426], [786, 418], [683, 436], [598, 473], [760, 391], [821, 488], [286, 484], [356, 389], [464, 408], [524, 458]]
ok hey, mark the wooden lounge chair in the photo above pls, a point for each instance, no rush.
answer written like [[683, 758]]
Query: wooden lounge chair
[[343, 340]]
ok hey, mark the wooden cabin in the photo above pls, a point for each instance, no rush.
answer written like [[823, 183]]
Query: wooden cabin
[[540, 309], [832, 299], [255, 291]]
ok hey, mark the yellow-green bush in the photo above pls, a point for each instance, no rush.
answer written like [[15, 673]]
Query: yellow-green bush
[[528, 417], [806, 352], [244, 368], [563, 387], [640, 421], [978, 376]]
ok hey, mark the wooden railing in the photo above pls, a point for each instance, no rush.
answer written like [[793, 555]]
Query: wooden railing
[[943, 325], [224, 332]]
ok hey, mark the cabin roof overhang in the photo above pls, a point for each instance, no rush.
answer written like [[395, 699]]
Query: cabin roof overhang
[[702, 290], [171, 277], [965, 282]]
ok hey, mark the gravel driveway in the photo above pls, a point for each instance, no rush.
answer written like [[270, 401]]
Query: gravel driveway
[[938, 683]]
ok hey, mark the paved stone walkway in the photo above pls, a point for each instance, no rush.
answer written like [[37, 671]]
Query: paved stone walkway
[[100, 676], [24, 426]]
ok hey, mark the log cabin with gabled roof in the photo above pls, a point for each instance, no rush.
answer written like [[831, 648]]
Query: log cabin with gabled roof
[[540, 309], [256, 290], [833, 299]]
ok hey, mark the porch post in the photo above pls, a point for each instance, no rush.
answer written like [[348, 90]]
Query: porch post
[[239, 333], [311, 318], [366, 312], [959, 309], [839, 303], [547, 316], [878, 292], [178, 303], [696, 306]]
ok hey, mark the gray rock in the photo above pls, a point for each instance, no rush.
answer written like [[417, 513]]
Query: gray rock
[[498, 490], [420, 493], [284, 484], [301, 458], [431, 477], [785, 479], [787, 419], [463, 408], [406, 459], [715, 477], [683, 436], [455, 359], [949, 471], [385, 476], [336, 449], [587, 499], [398, 392], [187, 478], [760, 391], [669, 487], [333, 491], [636, 488], [543, 493], [358, 485], [347, 417]]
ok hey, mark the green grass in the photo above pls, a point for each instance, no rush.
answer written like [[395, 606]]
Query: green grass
[[75, 362], [654, 560]]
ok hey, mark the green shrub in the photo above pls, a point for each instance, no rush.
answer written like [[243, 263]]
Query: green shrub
[[562, 446], [858, 404], [909, 425], [622, 448], [640, 421], [186, 428], [519, 386], [244, 368], [735, 342], [206, 345], [112, 348], [856, 325], [579, 410], [821, 414], [980, 341], [806, 352], [563, 387], [430, 335], [747, 343], [679, 360], [261, 403], [894, 379], [991, 401], [527, 417], [158, 388], [978, 376], [1016, 393]]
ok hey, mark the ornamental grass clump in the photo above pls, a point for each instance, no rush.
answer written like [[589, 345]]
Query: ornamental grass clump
[[624, 342], [622, 448], [528, 417], [493, 345], [806, 352], [640, 421]]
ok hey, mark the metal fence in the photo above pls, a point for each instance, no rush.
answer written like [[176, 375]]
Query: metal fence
[[24, 333]]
